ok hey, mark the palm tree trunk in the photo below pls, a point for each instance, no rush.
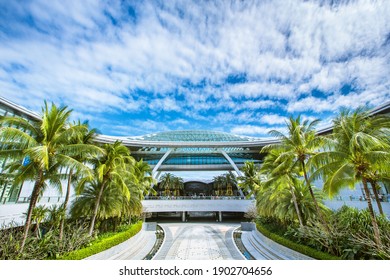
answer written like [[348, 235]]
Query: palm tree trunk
[[38, 231], [33, 201], [65, 204], [372, 214], [95, 211], [375, 191], [296, 206], [319, 212]]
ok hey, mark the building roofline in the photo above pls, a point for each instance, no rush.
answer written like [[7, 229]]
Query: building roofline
[[20, 108], [176, 144], [101, 138]]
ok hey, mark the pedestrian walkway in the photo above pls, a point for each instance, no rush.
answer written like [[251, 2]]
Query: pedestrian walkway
[[263, 248], [136, 248], [198, 241]]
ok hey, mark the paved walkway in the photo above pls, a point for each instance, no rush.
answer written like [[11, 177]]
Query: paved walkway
[[263, 248], [135, 248], [198, 241]]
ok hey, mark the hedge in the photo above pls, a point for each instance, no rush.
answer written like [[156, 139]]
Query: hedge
[[303, 249], [101, 245]]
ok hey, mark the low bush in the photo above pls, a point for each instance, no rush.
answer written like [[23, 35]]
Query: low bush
[[303, 249], [103, 243], [47, 246], [349, 235]]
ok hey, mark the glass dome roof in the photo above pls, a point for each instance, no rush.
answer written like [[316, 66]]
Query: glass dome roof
[[193, 136]]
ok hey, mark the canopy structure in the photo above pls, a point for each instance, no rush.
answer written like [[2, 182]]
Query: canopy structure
[[193, 150]]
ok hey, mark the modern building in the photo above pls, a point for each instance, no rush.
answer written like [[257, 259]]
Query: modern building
[[174, 151]]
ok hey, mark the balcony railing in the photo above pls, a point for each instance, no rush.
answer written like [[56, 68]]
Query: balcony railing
[[26, 199], [197, 197]]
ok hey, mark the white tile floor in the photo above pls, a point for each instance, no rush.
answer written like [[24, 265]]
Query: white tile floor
[[198, 241]]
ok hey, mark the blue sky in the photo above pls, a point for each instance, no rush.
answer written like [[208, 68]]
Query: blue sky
[[138, 67]]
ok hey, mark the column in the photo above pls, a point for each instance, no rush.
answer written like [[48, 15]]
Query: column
[[220, 216], [155, 169], [183, 216], [234, 167]]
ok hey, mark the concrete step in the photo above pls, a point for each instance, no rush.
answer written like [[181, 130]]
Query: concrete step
[[258, 249], [263, 248]]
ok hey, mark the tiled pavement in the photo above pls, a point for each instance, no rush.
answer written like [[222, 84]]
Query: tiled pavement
[[198, 241]]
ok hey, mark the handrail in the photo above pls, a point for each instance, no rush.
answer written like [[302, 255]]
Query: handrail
[[213, 197], [26, 199]]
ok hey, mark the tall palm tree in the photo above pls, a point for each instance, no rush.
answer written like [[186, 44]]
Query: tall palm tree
[[218, 183], [299, 144], [110, 203], [166, 183], [109, 171], [230, 181], [275, 201], [357, 149], [139, 181], [282, 175], [178, 185], [143, 177], [45, 144], [250, 181], [84, 138], [374, 178]]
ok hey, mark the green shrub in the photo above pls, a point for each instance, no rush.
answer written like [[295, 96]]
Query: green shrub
[[44, 246], [308, 251], [102, 244], [350, 235]]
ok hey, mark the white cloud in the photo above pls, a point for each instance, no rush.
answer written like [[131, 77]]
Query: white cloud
[[253, 130], [180, 122], [336, 101], [273, 119], [177, 58], [258, 104], [164, 104]]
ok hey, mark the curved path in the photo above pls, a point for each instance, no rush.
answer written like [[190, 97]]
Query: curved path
[[198, 241]]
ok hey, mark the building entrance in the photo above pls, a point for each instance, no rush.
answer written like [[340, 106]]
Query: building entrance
[[198, 189]]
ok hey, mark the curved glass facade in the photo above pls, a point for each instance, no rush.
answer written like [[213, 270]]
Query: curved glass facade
[[202, 157], [192, 136]]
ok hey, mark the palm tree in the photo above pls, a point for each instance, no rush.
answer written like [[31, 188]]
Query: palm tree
[[56, 215], [166, 183], [45, 144], [250, 181], [143, 177], [282, 175], [266, 202], [357, 149], [374, 178], [109, 171], [299, 144], [39, 215], [276, 201], [110, 203], [230, 181], [83, 138], [218, 183], [179, 185], [139, 182]]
